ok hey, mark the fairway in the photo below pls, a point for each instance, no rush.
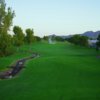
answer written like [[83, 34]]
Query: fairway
[[62, 72]]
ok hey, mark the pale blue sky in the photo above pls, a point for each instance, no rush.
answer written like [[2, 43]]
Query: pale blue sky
[[61, 17]]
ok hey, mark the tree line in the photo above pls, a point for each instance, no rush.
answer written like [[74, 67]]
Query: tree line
[[8, 42], [83, 41], [78, 40]]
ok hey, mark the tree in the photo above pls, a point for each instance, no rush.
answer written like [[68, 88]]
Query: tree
[[58, 38], [37, 38], [6, 18], [75, 39], [79, 40], [29, 35], [45, 38], [83, 41], [2, 13], [98, 43], [18, 36]]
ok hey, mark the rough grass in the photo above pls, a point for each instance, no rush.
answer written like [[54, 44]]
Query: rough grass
[[63, 72]]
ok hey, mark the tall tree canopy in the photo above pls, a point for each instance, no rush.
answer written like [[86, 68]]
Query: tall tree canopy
[[6, 19], [29, 35], [6, 16], [18, 36]]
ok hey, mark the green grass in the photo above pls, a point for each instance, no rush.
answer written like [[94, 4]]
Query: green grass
[[62, 72]]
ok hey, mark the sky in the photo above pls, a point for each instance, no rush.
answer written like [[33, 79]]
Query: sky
[[60, 17]]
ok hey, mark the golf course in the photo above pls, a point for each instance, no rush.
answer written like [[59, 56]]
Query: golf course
[[62, 71]]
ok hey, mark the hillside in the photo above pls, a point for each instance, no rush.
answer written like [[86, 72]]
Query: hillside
[[91, 34]]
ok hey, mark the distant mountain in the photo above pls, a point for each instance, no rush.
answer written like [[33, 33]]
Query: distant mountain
[[91, 34]]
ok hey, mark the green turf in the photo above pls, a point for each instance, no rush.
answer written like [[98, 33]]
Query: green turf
[[62, 72]]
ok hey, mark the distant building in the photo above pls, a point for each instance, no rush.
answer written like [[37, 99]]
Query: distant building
[[92, 43]]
